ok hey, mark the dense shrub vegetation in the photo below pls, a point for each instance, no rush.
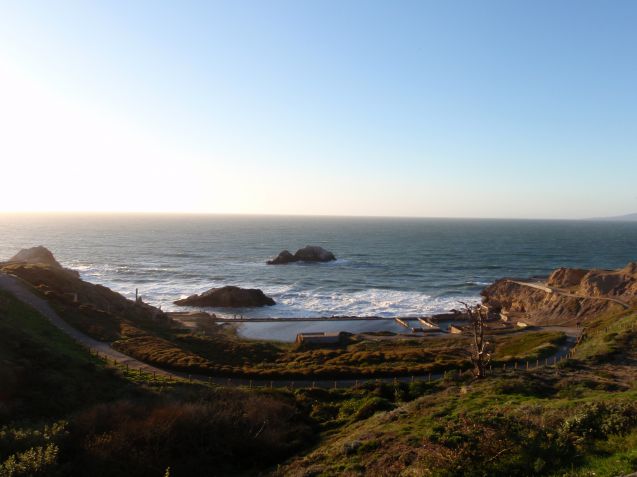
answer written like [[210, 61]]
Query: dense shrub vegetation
[[225, 431]]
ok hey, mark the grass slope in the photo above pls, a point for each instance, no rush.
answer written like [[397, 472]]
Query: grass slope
[[43, 372], [576, 419]]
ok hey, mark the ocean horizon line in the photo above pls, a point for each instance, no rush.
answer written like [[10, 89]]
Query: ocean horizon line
[[34, 213]]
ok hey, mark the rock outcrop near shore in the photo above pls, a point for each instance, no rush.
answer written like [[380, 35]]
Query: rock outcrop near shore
[[310, 253], [40, 256], [228, 297], [35, 255], [571, 294]]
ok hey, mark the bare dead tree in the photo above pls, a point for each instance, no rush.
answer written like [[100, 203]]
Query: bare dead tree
[[480, 347]]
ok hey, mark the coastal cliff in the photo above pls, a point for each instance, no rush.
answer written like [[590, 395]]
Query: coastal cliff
[[567, 295]]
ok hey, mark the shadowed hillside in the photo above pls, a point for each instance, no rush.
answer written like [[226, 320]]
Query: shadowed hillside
[[64, 412]]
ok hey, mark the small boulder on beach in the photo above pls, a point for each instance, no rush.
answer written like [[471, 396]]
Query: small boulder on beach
[[228, 297], [310, 253]]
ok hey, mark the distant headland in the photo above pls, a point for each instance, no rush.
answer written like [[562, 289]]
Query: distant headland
[[619, 218]]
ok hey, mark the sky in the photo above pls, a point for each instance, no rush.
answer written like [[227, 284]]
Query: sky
[[521, 109]]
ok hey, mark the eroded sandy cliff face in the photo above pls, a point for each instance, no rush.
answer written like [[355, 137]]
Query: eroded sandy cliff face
[[571, 295], [620, 283]]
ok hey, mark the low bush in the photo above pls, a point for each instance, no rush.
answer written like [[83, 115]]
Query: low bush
[[30, 451], [597, 420], [225, 433], [370, 406]]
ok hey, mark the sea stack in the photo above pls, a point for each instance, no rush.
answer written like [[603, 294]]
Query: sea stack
[[228, 297], [310, 253]]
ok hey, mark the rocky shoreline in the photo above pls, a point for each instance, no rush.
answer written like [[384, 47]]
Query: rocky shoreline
[[567, 294]]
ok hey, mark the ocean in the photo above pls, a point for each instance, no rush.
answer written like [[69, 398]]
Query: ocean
[[385, 266]]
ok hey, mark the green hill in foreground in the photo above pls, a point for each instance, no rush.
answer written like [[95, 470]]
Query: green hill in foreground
[[578, 419], [63, 412], [43, 372]]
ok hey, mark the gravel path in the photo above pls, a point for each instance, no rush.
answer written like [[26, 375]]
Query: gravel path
[[21, 291]]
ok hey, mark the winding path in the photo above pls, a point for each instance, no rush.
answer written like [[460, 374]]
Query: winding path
[[22, 291]]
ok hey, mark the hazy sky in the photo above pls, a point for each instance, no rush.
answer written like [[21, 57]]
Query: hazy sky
[[448, 108]]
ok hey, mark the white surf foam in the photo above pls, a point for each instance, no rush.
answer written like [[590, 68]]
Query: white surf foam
[[292, 300]]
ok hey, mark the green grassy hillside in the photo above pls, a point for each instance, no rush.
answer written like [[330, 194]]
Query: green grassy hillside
[[63, 412], [576, 419], [43, 372]]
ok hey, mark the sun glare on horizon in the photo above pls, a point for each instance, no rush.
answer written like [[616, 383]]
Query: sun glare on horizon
[[383, 118]]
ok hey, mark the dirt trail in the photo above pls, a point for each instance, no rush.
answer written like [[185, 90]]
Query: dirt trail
[[558, 291], [22, 292]]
